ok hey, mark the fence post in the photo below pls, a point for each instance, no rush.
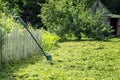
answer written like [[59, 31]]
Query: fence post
[[1, 42], [18, 44], [0, 47]]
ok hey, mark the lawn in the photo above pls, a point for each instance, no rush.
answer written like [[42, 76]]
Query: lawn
[[72, 60]]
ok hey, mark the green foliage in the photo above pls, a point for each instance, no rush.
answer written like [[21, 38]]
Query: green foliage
[[96, 26], [28, 10], [7, 22], [6, 17], [3, 6], [64, 17], [68, 36], [49, 41]]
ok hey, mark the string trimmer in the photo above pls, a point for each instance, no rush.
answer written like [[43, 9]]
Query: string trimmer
[[48, 57]]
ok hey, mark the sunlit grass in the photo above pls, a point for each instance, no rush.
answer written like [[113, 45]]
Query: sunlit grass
[[74, 60]]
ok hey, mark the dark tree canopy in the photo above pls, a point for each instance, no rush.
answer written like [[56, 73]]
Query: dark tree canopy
[[30, 9]]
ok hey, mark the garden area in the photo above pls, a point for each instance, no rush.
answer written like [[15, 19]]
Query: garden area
[[73, 60], [80, 36]]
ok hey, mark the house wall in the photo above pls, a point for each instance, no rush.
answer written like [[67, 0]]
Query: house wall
[[118, 26], [99, 6], [106, 14], [115, 23], [106, 20]]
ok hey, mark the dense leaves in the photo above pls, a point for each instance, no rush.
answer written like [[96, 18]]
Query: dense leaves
[[65, 17], [62, 17], [7, 22], [49, 41], [3, 6], [59, 16], [28, 10]]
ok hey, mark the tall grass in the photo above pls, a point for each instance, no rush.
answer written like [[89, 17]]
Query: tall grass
[[7, 22], [49, 40]]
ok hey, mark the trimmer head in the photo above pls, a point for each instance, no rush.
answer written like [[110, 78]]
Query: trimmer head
[[49, 57]]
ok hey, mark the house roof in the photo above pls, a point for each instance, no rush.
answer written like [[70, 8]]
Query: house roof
[[114, 16], [98, 5]]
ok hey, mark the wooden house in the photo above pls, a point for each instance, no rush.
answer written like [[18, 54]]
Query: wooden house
[[110, 18]]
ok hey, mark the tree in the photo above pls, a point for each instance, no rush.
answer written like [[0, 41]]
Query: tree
[[64, 17], [28, 10], [3, 6]]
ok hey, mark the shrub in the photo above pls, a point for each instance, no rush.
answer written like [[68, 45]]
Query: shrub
[[94, 27], [64, 17], [7, 22], [49, 40]]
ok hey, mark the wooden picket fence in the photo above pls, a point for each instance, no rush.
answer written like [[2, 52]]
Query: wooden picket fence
[[19, 44]]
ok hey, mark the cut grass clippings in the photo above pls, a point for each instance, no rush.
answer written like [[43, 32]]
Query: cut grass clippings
[[80, 60]]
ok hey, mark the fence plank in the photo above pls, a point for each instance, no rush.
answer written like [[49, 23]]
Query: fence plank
[[19, 44]]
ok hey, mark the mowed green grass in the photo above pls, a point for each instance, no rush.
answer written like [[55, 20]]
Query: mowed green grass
[[74, 60]]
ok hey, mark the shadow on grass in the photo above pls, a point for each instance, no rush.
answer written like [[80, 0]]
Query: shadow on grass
[[7, 69], [112, 39], [77, 40]]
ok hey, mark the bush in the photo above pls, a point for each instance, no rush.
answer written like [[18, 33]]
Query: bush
[[64, 17], [94, 27], [49, 41], [7, 22]]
